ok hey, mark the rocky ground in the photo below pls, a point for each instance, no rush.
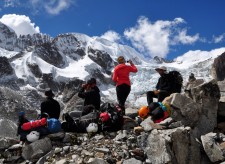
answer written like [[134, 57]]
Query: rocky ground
[[191, 135]]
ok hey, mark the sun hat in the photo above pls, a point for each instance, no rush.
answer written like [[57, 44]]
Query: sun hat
[[49, 93], [161, 68]]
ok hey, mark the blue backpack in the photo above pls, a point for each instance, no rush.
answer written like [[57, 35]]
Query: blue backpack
[[53, 125]]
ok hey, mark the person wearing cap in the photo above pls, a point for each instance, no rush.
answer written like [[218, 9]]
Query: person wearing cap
[[163, 87], [50, 105], [121, 78], [91, 95]]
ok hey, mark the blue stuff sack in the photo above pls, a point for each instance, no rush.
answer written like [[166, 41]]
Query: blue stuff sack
[[53, 125]]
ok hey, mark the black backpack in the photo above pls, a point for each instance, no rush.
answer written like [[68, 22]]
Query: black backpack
[[177, 81], [116, 117]]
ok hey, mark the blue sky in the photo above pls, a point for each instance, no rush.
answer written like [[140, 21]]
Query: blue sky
[[165, 28]]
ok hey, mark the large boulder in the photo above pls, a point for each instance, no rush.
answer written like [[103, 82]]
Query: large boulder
[[208, 95], [218, 68], [170, 146], [8, 128], [6, 142], [37, 149], [199, 110], [212, 147], [185, 110]]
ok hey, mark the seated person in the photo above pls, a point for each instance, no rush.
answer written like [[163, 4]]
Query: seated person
[[163, 87], [90, 93], [50, 105]]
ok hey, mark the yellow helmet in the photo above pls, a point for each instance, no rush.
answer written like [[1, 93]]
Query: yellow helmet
[[143, 112]]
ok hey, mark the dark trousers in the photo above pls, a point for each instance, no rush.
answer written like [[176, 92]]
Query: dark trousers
[[122, 92], [161, 96]]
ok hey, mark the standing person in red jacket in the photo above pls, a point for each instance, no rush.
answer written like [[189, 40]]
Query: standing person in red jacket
[[121, 77]]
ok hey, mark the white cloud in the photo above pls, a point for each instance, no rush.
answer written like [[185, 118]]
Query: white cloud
[[21, 24], [155, 38], [183, 38], [218, 39], [11, 3], [54, 7], [111, 36]]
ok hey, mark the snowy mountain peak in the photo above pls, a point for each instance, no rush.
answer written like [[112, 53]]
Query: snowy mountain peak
[[35, 62]]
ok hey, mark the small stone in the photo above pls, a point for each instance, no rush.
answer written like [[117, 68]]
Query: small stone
[[98, 137], [138, 129], [103, 150], [62, 161], [58, 150], [87, 153], [99, 155], [66, 148]]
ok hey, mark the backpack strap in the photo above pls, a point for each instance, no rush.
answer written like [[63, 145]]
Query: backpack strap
[[162, 106]]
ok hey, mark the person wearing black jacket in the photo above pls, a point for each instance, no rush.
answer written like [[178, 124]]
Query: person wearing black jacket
[[163, 87], [50, 105], [90, 93]]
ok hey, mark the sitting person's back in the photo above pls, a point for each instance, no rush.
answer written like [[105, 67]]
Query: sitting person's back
[[50, 106]]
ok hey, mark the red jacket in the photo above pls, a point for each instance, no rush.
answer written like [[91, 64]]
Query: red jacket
[[121, 73]]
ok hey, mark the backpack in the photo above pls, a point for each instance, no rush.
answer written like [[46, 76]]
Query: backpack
[[116, 117], [177, 80], [54, 125], [69, 125]]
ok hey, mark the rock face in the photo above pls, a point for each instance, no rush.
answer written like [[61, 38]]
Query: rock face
[[5, 67], [200, 111], [12, 102], [218, 68], [8, 128], [50, 54], [8, 37], [214, 146]]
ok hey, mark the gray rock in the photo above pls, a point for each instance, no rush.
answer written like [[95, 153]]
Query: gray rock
[[218, 68], [128, 123], [122, 135], [58, 150], [6, 142], [212, 148], [96, 161], [56, 136], [103, 150], [37, 149], [42, 160], [157, 149], [66, 148], [132, 161], [186, 110], [98, 137], [221, 109], [62, 161], [8, 128], [87, 153], [146, 124], [185, 147]]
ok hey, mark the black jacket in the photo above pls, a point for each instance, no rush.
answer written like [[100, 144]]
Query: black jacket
[[165, 83], [91, 97], [51, 107]]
